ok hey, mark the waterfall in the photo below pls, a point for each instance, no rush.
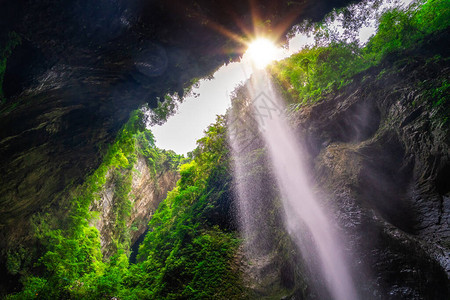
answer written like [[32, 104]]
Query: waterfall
[[305, 219]]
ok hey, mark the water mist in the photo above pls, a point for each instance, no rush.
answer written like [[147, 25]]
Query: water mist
[[306, 221]]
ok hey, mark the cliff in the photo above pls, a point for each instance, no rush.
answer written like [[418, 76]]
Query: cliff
[[71, 72], [102, 218], [81, 67], [377, 154], [84, 184], [380, 148], [147, 191]]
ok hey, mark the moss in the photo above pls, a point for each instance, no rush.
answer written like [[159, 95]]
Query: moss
[[72, 261], [187, 251], [435, 92], [315, 72]]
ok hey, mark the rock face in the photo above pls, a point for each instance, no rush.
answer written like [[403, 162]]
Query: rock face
[[378, 151], [147, 191], [83, 66], [380, 148]]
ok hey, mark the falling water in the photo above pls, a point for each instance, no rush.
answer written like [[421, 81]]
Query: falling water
[[302, 210]]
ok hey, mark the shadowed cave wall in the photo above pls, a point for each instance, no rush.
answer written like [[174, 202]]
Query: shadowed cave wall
[[81, 68]]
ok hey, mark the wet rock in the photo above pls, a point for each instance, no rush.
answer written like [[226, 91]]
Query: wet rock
[[385, 167], [83, 66], [147, 191]]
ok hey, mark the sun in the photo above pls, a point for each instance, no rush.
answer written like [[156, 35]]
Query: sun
[[262, 52]]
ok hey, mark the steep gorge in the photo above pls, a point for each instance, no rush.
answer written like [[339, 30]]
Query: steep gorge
[[380, 153], [83, 66], [147, 191], [71, 73], [377, 151]]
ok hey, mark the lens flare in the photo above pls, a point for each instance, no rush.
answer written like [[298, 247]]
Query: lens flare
[[262, 52]]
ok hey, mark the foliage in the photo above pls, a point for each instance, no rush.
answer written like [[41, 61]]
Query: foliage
[[16, 260], [72, 264], [313, 72], [403, 29], [187, 251], [167, 105], [157, 159], [440, 94], [343, 24], [438, 91]]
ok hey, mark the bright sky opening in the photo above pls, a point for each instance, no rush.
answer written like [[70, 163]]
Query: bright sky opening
[[262, 52], [195, 114]]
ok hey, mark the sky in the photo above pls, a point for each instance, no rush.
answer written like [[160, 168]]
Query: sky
[[182, 130], [195, 114]]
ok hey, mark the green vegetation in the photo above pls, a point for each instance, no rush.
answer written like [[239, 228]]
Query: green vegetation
[[404, 29], [167, 105], [308, 75], [188, 249], [157, 159], [312, 73], [72, 264], [438, 91], [186, 253]]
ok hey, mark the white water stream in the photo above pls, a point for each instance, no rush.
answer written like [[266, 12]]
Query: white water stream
[[302, 210]]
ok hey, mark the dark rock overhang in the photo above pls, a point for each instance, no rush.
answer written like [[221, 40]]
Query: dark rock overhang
[[84, 65], [171, 41]]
